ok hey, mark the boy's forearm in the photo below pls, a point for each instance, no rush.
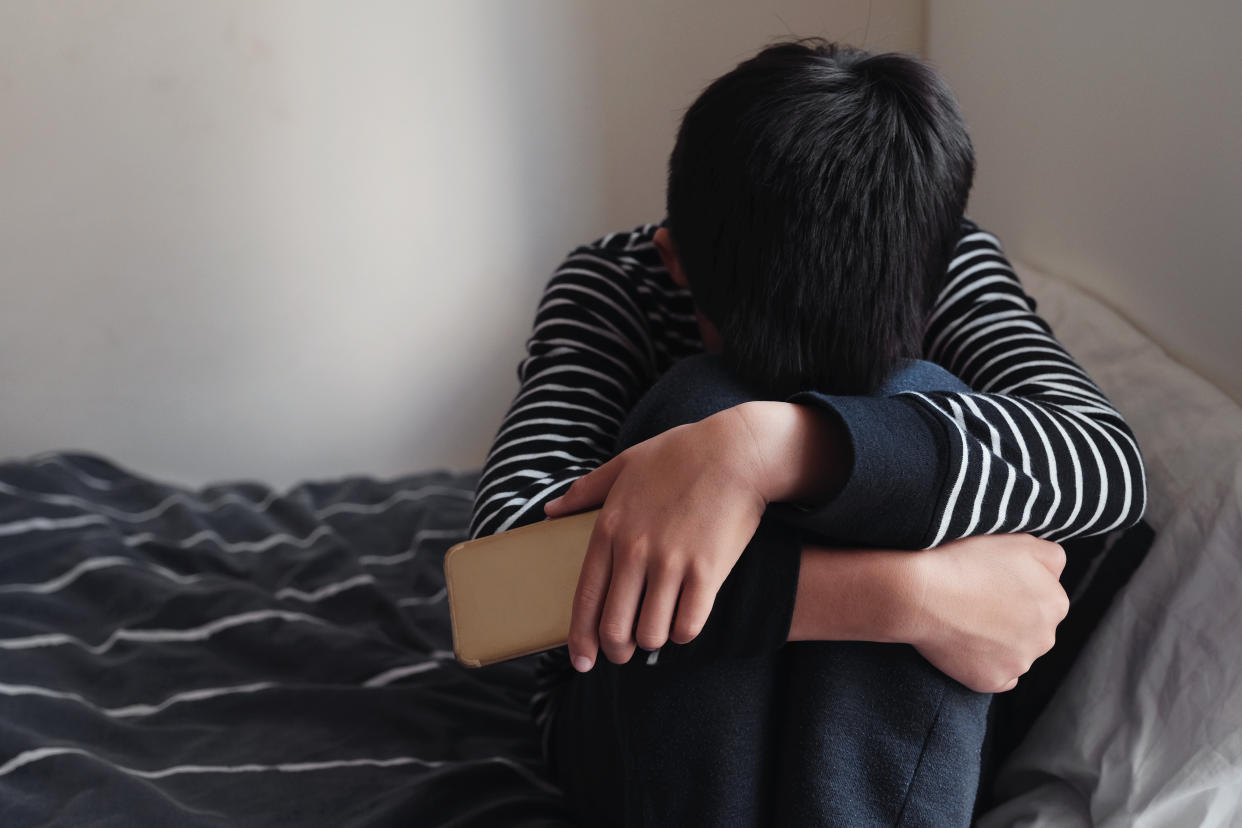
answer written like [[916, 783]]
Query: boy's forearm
[[843, 595], [865, 470]]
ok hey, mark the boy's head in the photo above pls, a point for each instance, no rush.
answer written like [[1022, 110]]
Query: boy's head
[[814, 196]]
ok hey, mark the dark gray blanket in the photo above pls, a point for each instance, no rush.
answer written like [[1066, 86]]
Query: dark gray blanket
[[239, 656]]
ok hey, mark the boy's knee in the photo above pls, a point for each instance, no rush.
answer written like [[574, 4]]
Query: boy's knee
[[919, 375], [887, 725], [701, 385], [890, 683], [694, 388]]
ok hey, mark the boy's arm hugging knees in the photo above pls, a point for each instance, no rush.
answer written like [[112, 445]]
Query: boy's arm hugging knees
[[1035, 448]]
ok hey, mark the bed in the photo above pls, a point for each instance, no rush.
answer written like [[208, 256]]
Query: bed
[[236, 655]]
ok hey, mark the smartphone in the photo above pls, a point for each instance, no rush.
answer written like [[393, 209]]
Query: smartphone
[[512, 594]]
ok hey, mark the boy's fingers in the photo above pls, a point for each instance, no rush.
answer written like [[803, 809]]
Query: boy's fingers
[[616, 626], [589, 601], [1048, 554], [697, 597], [1053, 557], [586, 492], [659, 602]]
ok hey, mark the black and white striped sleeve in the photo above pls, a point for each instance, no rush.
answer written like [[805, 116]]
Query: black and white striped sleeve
[[1035, 447], [587, 361]]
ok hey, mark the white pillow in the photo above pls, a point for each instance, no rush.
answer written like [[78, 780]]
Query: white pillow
[[1147, 728]]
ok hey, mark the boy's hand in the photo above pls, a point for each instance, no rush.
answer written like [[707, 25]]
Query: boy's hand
[[678, 510], [988, 607]]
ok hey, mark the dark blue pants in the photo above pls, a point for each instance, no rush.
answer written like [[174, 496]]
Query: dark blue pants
[[808, 733]]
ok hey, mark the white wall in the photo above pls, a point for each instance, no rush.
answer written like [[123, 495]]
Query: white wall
[[1109, 138], [290, 239]]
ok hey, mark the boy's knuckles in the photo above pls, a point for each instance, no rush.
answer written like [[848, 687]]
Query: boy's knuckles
[[663, 567], [686, 631], [618, 654], [1058, 557], [701, 571], [1051, 555], [651, 640], [630, 554], [589, 594], [607, 524], [614, 633], [1003, 681], [1052, 612]]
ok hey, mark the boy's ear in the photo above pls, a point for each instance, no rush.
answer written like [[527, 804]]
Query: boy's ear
[[668, 254]]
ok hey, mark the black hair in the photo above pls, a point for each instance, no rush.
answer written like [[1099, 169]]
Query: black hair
[[815, 194]]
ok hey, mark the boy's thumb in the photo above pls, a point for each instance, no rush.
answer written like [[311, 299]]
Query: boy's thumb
[[587, 492]]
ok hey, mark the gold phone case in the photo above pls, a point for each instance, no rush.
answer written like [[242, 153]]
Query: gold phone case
[[512, 594]]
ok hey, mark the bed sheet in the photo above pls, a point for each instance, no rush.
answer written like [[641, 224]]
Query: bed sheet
[[240, 656]]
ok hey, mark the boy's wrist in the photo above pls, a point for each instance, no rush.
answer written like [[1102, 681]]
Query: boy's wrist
[[858, 595], [801, 451]]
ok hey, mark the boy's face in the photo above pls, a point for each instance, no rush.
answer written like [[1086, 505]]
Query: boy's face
[[712, 343]]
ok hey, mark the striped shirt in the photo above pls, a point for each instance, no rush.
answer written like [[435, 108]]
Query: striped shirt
[[1035, 447]]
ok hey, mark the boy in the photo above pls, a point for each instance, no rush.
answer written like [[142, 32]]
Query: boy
[[815, 203]]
